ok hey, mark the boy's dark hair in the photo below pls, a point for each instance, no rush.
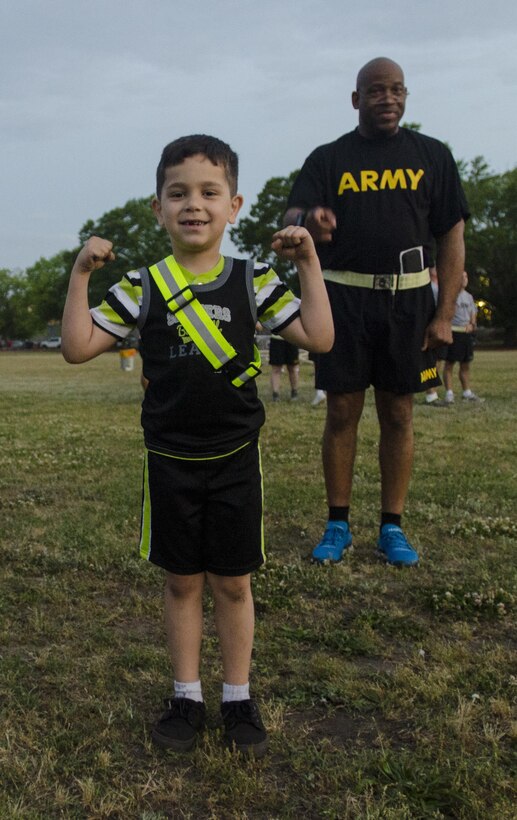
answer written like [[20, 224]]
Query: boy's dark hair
[[217, 151]]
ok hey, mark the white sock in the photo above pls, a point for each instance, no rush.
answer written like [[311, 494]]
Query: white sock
[[449, 395], [231, 692], [467, 393], [431, 397], [190, 690]]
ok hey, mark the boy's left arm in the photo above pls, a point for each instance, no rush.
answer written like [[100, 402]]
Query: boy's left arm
[[313, 330]]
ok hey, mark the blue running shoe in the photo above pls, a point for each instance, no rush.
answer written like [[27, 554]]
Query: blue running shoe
[[394, 547], [336, 539]]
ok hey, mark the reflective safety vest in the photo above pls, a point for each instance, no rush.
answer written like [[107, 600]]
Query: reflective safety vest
[[190, 313]]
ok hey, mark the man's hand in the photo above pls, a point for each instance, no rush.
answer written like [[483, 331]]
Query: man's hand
[[294, 243], [437, 333], [320, 222], [94, 255]]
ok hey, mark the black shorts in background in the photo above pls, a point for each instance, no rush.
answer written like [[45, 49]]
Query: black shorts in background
[[378, 341], [461, 349], [282, 352]]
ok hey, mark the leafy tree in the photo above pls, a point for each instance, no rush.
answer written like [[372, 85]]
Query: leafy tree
[[137, 240], [491, 240], [46, 286], [16, 320], [254, 233]]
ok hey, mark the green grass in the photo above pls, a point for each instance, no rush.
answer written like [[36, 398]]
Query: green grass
[[388, 694]]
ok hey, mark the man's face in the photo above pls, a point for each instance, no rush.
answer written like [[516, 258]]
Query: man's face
[[380, 99]]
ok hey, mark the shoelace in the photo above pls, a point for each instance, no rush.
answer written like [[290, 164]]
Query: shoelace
[[242, 713], [333, 536], [397, 539], [182, 709]]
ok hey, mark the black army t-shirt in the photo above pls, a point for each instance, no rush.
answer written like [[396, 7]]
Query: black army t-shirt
[[388, 194]]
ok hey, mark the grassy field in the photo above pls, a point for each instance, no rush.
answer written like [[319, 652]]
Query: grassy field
[[387, 693]]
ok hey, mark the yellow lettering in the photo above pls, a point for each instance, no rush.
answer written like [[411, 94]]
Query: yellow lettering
[[369, 180], [393, 178], [414, 177], [390, 179], [428, 374], [347, 183]]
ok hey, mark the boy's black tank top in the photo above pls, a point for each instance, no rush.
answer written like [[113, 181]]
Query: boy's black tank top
[[189, 409]]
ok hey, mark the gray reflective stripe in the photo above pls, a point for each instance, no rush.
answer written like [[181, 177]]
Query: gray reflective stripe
[[204, 332], [146, 297]]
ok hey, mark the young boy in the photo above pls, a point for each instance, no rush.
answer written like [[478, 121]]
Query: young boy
[[202, 493]]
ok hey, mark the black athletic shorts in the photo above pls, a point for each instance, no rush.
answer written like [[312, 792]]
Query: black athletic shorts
[[282, 352], [378, 341], [461, 349], [203, 515]]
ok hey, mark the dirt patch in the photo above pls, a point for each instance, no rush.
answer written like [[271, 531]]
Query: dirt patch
[[359, 731]]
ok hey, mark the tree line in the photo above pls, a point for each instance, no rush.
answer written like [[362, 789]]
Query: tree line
[[33, 299]]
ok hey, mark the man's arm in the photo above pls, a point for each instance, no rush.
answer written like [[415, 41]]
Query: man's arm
[[450, 263], [320, 222], [81, 339], [473, 318], [313, 329]]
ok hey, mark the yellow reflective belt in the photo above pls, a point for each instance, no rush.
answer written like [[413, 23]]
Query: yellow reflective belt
[[203, 331], [379, 281]]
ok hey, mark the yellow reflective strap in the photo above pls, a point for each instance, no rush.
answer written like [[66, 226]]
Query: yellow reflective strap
[[191, 314], [252, 371]]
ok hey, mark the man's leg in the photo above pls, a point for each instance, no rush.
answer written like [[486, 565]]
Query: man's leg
[[294, 378], [447, 380], [276, 372], [464, 375], [339, 446], [395, 414]]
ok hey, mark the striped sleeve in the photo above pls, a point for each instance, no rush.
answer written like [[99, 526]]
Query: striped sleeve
[[119, 311], [277, 306]]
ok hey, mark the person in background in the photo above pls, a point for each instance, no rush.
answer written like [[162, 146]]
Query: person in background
[[461, 350], [283, 354]]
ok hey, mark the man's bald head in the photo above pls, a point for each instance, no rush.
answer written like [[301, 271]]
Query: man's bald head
[[380, 98], [375, 66]]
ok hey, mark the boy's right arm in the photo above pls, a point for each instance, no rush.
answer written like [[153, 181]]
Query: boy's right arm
[[81, 339]]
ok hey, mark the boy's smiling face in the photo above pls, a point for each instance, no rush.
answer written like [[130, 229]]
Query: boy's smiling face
[[195, 206]]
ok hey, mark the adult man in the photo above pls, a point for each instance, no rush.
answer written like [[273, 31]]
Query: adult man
[[367, 198]]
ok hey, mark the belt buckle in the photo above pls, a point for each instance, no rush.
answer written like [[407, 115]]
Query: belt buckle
[[383, 281], [183, 298]]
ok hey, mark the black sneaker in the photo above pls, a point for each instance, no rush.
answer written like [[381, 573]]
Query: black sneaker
[[179, 725], [244, 730]]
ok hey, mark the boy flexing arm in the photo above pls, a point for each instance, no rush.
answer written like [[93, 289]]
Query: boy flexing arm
[[81, 339], [313, 329]]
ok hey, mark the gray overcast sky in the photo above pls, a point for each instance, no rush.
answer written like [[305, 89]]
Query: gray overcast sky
[[90, 92]]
